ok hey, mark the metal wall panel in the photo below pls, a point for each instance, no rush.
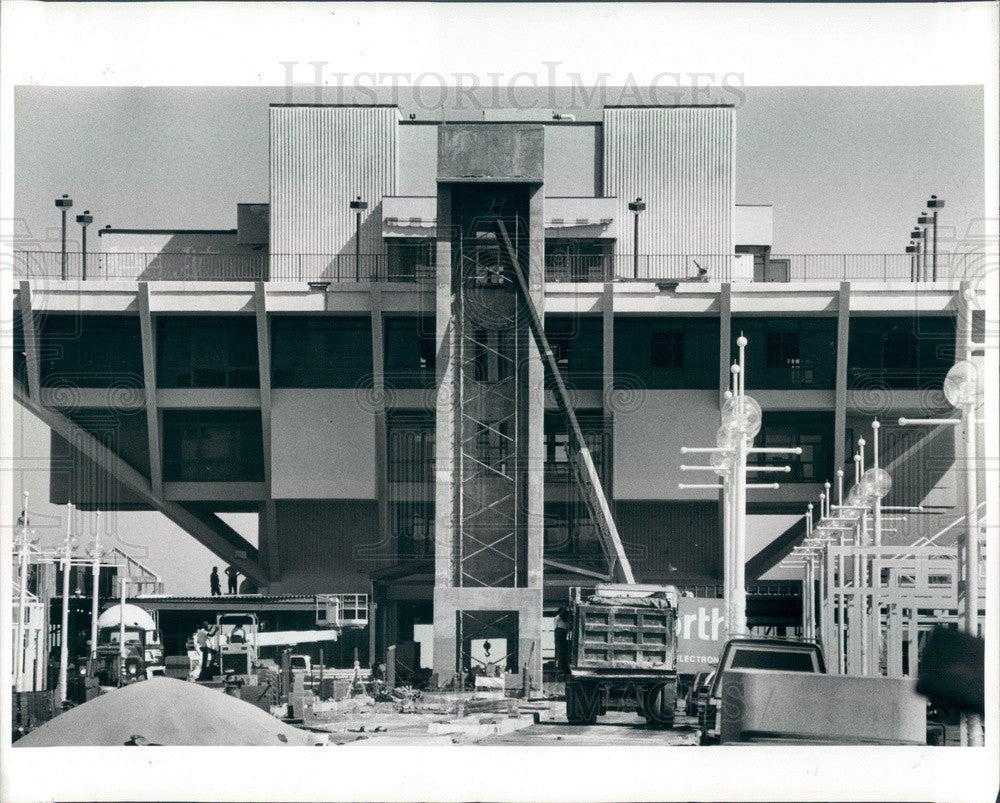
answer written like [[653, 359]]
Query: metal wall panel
[[680, 160], [323, 157]]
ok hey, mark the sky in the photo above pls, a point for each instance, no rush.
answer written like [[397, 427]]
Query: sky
[[846, 169]]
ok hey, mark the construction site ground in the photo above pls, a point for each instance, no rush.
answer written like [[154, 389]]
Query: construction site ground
[[445, 719]]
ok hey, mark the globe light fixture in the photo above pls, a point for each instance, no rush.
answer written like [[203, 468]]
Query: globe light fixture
[[961, 385], [875, 484], [743, 413]]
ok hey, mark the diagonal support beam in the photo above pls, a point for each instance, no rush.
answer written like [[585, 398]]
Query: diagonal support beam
[[566, 567], [206, 527], [583, 463]]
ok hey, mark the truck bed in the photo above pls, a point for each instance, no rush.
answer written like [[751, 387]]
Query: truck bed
[[624, 637]]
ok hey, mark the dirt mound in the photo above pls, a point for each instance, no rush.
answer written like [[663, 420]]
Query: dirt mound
[[165, 711]]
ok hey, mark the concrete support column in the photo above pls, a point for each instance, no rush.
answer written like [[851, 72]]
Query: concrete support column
[[267, 529], [608, 387], [149, 380], [29, 326], [445, 627], [840, 397], [536, 408], [380, 414]]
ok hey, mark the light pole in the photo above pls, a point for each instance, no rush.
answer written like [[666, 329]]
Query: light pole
[[913, 249], [934, 204], [22, 602], [84, 220], [358, 206], [95, 553], [741, 421], [67, 552], [925, 220], [62, 204], [916, 236], [636, 207]]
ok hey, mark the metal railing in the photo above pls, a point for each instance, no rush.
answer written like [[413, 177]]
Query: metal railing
[[382, 267]]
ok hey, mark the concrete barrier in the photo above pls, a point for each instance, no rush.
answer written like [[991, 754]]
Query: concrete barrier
[[770, 706]]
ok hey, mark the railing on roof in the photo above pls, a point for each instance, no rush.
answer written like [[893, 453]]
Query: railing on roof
[[346, 268], [141, 579]]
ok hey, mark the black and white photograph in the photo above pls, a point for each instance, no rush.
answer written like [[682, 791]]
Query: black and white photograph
[[570, 401]]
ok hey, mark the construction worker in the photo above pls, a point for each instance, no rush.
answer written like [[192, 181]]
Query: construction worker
[[562, 626], [232, 573], [213, 581]]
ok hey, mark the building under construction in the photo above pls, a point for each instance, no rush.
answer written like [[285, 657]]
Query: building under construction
[[362, 362]]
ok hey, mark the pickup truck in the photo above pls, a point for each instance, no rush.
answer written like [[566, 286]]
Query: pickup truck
[[623, 653], [787, 655]]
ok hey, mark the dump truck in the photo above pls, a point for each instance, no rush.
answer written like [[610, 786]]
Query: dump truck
[[143, 653], [622, 653]]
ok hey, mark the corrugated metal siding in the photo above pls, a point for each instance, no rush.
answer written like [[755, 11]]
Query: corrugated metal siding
[[322, 157], [671, 540], [680, 160]]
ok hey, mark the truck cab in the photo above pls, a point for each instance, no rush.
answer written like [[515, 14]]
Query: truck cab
[[143, 647], [786, 655]]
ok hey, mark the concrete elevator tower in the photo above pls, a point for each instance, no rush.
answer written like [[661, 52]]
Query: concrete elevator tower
[[489, 461]]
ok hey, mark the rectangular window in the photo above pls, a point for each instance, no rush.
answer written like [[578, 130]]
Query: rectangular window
[[788, 353], [206, 352], [812, 432], [90, 351], [411, 448], [666, 349], [900, 352], [321, 351], [577, 341], [413, 526], [557, 468], [212, 446], [666, 352], [409, 352]]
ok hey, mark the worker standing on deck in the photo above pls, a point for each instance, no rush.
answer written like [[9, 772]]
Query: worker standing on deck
[[232, 573], [213, 581], [562, 625]]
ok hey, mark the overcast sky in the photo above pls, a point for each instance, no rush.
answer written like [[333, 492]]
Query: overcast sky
[[846, 169]]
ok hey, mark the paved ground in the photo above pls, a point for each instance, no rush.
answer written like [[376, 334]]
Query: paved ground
[[370, 727]]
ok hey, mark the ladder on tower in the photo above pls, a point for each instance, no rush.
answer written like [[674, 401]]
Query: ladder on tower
[[580, 459]]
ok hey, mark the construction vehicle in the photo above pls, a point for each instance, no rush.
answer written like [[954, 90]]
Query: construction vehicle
[[623, 653], [142, 656], [239, 641]]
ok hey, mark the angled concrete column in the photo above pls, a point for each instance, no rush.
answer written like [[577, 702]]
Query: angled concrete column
[[149, 380], [840, 399]]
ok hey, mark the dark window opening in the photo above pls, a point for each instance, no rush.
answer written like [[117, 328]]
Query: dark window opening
[[813, 432], [90, 351], [212, 446], [413, 525], [666, 352], [411, 448], [410, 260], [410, 355], [788, 353], [322, 351], [666, 349], [577, 342], [902, 353], [215, 352], [557, 467]]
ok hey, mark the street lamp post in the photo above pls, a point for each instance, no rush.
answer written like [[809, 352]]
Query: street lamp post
[[84, 220], [934, 204], [636, 207], [925, 220], [95, 554], [358, 206], [916, 235], [22, 560], [67, 552], [741, 421], [913, 249], [62, 204]]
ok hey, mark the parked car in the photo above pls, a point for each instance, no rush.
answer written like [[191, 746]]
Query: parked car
[[786, 655]]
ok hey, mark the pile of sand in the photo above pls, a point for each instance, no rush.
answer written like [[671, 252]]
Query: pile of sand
[[166, 711]]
